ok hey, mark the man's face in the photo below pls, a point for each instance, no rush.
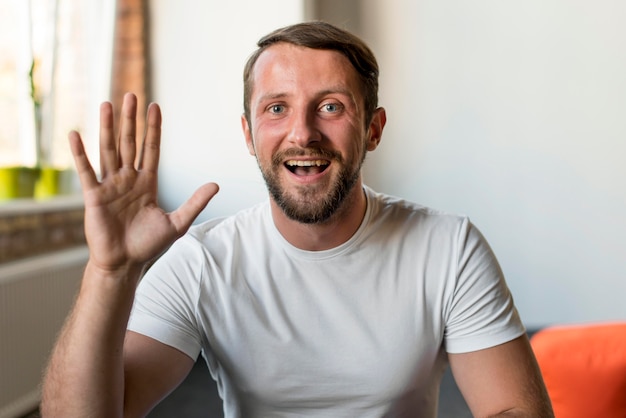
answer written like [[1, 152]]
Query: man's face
[[307, 129]]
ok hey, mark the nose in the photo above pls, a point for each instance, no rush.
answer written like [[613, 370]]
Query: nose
[[302, 128]]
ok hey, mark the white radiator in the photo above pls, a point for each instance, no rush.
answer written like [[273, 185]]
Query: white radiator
[[35, 296]]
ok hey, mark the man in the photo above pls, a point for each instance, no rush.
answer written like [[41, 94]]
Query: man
[[329, 300]]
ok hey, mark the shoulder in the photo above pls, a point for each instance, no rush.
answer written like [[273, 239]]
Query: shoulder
[[248, 220], [409, 216], [446, 236]]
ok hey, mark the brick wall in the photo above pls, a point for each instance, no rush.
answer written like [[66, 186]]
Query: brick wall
[[33, 228]]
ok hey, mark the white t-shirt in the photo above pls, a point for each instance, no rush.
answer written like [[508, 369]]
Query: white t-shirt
[[360, 330]]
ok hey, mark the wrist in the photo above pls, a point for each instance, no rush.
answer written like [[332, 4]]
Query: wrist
[[122, 277]]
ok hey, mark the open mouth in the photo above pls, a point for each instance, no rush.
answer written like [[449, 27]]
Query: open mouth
[[307, 167]]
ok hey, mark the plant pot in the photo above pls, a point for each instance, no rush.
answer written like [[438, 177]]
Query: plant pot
[[55, 182], [17, 182]]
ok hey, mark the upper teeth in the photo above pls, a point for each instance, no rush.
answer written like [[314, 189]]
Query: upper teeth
[[307, 163]]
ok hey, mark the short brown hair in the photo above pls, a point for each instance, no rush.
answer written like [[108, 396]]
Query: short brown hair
[[321, 35]]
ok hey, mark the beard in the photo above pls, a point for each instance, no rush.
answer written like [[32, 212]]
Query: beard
[[311, 204]]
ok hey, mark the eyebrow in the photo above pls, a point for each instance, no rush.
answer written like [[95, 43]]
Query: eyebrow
[[338, 89], [271, 96], [333, 90]]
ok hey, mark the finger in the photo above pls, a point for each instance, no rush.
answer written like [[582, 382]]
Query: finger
[[183, 217], [84, 169], [128, 131], [150, 148], [108, 149]]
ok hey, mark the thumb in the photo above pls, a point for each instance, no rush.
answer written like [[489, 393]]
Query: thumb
[[183, 217]]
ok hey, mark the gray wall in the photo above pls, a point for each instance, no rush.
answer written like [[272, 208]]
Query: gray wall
[[514, 114]]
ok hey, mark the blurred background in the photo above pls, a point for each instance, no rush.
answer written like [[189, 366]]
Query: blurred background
[[513, 113]]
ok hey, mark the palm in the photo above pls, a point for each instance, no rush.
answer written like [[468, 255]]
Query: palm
[[123, 222]]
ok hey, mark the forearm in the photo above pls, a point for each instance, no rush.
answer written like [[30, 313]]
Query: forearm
[[85, 376]]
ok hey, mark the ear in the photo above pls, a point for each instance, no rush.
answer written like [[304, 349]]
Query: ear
[[375, 130], [245, 126]]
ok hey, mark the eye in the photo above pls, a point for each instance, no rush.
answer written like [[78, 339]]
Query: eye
[[276, 109], [330, 107]]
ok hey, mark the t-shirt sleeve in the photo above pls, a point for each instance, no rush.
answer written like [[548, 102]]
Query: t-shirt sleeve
[[481, 312], [166, 300]]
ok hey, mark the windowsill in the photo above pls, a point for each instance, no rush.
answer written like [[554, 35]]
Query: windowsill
[[28, 206]]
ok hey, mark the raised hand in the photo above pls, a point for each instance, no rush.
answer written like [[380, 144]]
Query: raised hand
[[124, 225]]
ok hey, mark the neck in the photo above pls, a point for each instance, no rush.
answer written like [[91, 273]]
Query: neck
[[326, 235]]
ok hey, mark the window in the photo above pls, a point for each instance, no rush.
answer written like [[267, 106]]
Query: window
[[55, 64]]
